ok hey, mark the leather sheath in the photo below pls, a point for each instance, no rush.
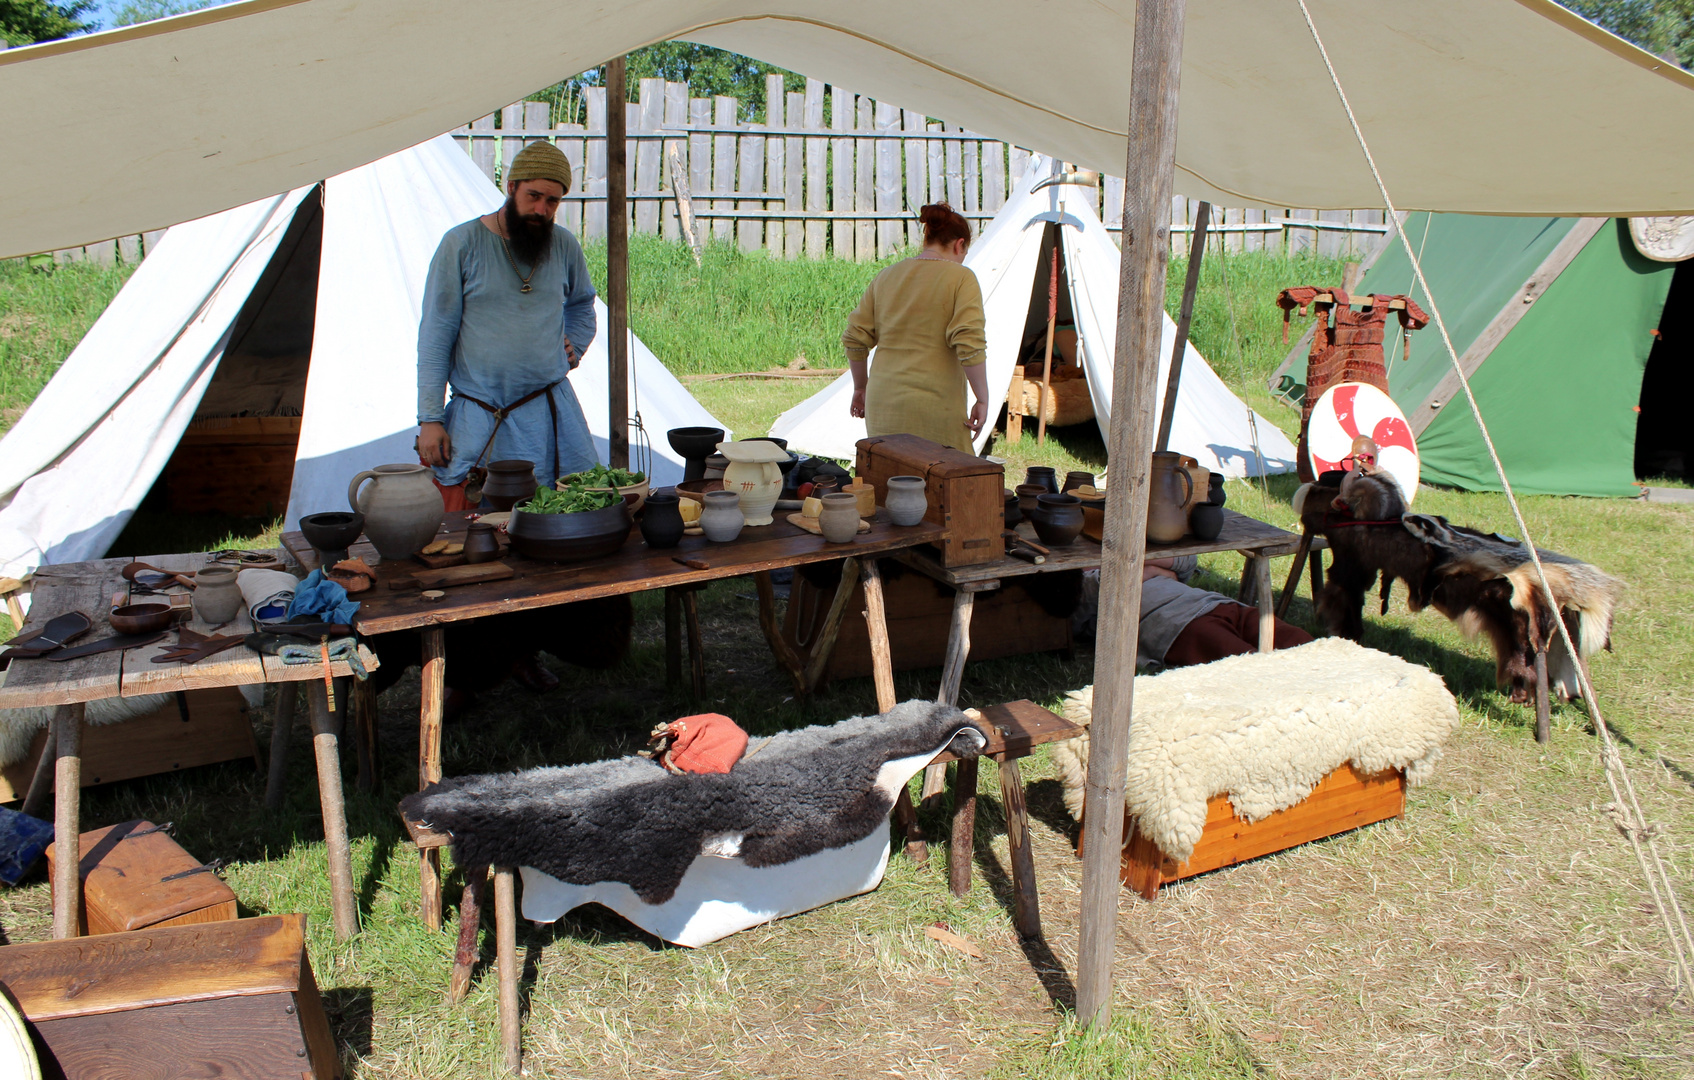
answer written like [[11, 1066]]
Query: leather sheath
[[111, 644]]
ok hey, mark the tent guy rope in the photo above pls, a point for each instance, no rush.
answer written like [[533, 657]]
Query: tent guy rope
[[1625, 812]]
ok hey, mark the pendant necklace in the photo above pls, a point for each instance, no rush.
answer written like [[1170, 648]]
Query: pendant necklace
[[514, 264]]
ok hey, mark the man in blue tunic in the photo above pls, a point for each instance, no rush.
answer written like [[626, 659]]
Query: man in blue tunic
[[508, 311]]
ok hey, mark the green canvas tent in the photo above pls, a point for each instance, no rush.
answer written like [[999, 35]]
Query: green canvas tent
[[1572, 341]]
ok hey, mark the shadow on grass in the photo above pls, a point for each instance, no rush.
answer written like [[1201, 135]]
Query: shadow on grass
[[351, 1010]]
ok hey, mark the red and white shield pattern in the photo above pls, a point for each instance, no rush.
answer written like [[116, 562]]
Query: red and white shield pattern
[[1348, 410]]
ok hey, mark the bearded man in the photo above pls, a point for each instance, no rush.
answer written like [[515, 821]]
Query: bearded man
[[508, 310]]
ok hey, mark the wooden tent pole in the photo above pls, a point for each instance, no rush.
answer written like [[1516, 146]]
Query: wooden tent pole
[[1196, 252], [1047, 364], [617, 265], [1155, 74]]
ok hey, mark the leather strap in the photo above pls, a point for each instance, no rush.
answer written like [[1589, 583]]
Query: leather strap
[[500, 413], [111, 644]]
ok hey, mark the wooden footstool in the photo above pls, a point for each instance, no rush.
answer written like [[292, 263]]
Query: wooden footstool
[[1014, 730]]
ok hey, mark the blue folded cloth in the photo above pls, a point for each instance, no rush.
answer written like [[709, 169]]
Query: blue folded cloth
[[339, 649], [22, 840], [322, 599]]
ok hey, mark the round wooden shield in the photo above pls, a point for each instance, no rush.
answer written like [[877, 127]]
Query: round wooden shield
[[1663, 239], [1348, 410], [17, 1053]]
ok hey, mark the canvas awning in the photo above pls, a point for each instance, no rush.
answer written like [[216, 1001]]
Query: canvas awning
[[1484, 106]]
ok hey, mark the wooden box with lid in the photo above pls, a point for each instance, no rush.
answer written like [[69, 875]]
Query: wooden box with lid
[[232, 999], [965, 492], [129, 882]]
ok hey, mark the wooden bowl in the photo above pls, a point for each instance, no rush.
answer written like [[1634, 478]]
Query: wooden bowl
[[570, 537], [142, 618], [696, 489]]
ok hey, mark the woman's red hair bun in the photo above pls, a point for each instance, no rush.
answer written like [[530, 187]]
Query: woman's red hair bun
[[943, 225]]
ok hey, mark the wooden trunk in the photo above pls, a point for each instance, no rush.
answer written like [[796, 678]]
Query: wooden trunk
[[124, 870], [1006, 622], [230, 999], [1343, 800], [966, 493], [241, 465], [217, 729]]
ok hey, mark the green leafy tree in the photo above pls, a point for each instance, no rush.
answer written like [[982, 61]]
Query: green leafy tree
[[25, 22], [707, 71], [141, 11], [1662, 27]]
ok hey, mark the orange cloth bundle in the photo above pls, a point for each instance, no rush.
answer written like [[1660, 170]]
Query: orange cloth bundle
[[706, 743]]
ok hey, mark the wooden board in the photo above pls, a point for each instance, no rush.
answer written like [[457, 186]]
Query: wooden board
[[240, 465], [218, 729], [124, 870], [1342, 801], [84, 587], [634, 568], [469, 574], [1016, 728]]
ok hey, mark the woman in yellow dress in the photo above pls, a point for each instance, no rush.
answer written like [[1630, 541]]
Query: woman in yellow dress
[[923, 316]]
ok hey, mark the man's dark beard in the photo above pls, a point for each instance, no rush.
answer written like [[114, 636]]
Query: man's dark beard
[[531, 236]]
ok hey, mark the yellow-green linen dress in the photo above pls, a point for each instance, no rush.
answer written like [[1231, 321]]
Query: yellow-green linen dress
[[924, 318]]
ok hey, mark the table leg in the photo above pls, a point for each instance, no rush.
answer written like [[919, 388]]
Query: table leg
[[67, 819], [784, 652], [470, 921], [876, 627], [824, 645], [287, 694], [433, 694], [506, 957], [1294, 574], [1267, 608], [364, 730], [960, 852], [952, 674], [1317, 576], [696, 644], [328, 752], [1026, 902], [41, 784], [673, 637]]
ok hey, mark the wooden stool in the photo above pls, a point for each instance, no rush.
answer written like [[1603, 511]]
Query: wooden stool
[[1014, 730], [470, 920]]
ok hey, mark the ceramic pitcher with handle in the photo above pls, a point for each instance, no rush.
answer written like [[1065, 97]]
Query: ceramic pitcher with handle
[[1169, 492], [402, 508]]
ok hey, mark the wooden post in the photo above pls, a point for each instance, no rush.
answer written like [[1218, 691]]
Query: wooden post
[[325, 747], [506, 957], [617, 267], [1155, 75], [1047, 362], [1196, 252], [432, 694], [67, 819], [281, 730], [684, 202]]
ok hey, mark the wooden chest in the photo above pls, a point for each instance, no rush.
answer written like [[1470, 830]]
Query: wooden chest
[[233, 999], [123, 872], [966, 493]]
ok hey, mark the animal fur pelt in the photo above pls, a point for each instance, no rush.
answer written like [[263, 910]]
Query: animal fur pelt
[[1485, 583], [1264, 729], [632, 822]]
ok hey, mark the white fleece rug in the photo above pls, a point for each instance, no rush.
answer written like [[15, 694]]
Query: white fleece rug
[[1264, 729]]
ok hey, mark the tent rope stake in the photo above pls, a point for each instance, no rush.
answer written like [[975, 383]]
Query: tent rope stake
[[1625, 811]]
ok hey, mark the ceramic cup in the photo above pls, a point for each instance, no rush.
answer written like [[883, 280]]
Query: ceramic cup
[[907, 502], [217, 598], [839, 521], [721, 519]]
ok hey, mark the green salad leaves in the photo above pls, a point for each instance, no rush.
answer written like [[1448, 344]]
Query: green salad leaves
[[584, 491]]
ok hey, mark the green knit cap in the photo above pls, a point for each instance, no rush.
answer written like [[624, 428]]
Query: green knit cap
[[541, 161]]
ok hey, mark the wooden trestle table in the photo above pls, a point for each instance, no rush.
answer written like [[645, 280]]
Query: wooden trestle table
[[634, 568], [1256, 540], [89, 587]]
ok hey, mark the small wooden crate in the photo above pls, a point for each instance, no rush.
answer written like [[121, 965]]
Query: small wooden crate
[[966, 493], [216, 728], [241, 465], [232, 999], [123, 871], [1344, 800]]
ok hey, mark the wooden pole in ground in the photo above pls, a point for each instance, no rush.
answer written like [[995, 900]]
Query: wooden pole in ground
[[1185, 317], [1047, 363], [326, 748], [1154, 78], [66, 748], [617, 266]]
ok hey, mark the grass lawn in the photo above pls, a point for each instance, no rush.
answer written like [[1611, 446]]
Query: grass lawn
[[1499, 929]]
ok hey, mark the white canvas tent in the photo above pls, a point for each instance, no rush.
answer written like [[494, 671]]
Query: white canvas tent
[[77, 464], [1210, 423]]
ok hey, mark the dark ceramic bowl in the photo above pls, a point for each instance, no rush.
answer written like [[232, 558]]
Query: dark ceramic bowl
[[695, 442], [337, 530], [570, 537], [141, 618]]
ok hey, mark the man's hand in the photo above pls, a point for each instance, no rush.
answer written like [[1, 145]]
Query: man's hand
[[434, 447], [571, 355], [857, 409], [978, 417]]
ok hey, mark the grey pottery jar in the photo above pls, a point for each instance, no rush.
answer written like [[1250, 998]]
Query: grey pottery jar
[[839, 519], [721, 519], [217, 597], [906, 501]]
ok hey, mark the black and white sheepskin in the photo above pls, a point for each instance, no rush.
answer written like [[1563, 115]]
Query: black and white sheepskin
[[800, 821]]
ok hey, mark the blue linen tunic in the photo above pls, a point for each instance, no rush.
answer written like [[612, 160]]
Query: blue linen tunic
[[484, 337]]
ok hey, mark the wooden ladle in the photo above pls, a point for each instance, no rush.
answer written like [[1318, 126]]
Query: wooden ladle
[[182, 577]]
